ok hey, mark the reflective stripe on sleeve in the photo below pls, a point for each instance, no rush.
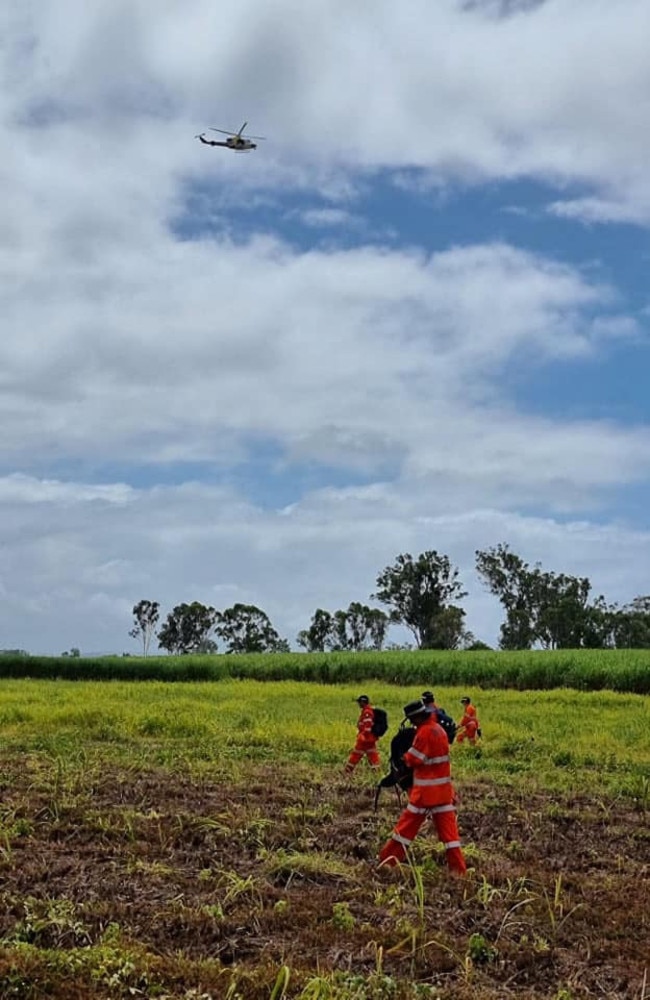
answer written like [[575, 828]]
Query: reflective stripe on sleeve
[[428, 782], [428, 760]]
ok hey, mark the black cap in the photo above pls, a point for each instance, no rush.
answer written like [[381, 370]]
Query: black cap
[[415, 708], [428, 697], [465, 700], [364, 699]]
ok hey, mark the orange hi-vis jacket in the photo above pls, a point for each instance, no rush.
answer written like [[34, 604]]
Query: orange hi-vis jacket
[[469, 719], [365, 723], [429, 758], [366, 743]]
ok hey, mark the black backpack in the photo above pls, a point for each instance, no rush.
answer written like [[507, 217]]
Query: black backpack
[[400, 775], [447, 724], [379, 722]]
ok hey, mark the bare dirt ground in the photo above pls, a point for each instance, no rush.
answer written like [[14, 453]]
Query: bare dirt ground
[[130, 883]]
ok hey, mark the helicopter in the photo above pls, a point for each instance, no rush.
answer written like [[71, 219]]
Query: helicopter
[[236, 140]]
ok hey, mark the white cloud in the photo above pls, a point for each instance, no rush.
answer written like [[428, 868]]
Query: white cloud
[[22, 489], [326, 217], [124, 345], [184, 351], [601, 210], [552, 90], [73, 572]]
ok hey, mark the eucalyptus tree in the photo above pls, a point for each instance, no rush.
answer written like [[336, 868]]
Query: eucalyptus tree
[[420, 593], [145, 619], [188, 629], [247, 629]]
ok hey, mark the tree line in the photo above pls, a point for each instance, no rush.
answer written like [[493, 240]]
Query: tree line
[[423, 593]]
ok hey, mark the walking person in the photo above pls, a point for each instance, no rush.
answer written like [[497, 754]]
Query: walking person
[[366, 742], [445, 720], [429, 699], [431, 795], [468, 728]]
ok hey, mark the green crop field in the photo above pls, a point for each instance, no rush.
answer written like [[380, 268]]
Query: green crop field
[[625, 670], [199, 840]]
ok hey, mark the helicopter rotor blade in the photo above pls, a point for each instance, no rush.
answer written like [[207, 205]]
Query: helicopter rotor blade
[[236, 135]]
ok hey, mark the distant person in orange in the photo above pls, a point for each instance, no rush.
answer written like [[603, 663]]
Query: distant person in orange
[[468, 727], [432, 794], [366, 744]]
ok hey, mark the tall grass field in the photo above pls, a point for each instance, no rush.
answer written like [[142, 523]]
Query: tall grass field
[[625, 670]]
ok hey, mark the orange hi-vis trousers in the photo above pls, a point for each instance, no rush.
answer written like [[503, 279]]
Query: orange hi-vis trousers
[[406, 830], [363, 748], [469, 731]]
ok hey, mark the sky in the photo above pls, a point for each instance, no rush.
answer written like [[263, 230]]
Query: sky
[[415, 317]]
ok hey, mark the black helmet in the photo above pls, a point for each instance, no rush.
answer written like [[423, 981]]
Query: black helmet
[[415, 708], [428, 697], [363, 699], [465, 700]]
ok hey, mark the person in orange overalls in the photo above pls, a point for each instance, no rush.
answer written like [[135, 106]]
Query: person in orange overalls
[[431, 795], [468, 728], [366, 744]]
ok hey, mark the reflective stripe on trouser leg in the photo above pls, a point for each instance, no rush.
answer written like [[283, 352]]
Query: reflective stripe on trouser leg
[[405, 831], [361, 749], [447, 830], [408, 825], [353, 759]]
